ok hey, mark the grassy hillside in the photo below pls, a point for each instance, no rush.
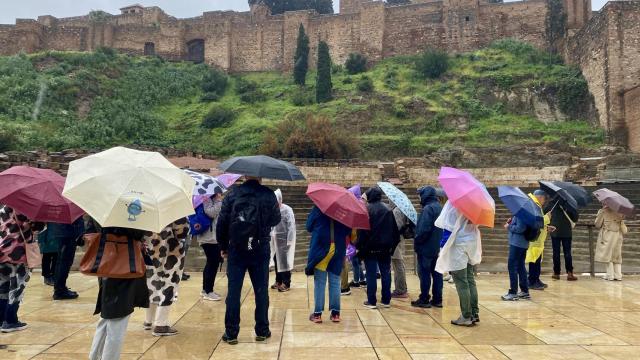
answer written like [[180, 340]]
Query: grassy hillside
[[65, 100]]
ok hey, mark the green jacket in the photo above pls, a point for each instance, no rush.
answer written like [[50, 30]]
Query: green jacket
[[48, 244]]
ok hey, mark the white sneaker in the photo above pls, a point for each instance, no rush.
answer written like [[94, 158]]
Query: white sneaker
[[212, 296]]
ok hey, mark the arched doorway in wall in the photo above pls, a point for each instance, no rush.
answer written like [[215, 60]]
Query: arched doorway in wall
[[195, 51], [149, 49]]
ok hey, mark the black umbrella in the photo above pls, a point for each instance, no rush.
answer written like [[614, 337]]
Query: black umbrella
[[263, 167], [554, 190], [582, 196]]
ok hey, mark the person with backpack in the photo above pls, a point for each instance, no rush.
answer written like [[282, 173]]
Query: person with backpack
[[248, 213], [427, 247], [518, 246], [375, 247], [406, 230], [49, 250], [203, 228], [283, 245]]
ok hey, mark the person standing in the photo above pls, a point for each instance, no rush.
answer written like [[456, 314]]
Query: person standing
[[325, 261], [376, 245], [563, 219], [248, 213], [536, 247], [609, 245], [283, 245], [166, 250], [518, 246], [67, 236], [209, 244], [427, 247], [117, 298], [462, 250], [16, 230], [406, 230], [49, 250]]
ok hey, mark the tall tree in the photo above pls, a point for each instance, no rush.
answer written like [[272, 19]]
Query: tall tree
[[323, 78], [280, 6], [301, 59]]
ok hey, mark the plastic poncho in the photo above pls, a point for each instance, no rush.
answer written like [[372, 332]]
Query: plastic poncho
[[463, 247], [283, 237], [536, 248]]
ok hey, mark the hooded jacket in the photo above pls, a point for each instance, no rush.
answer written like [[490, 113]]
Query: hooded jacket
[[428, 236], [384, 235], [319, 225]]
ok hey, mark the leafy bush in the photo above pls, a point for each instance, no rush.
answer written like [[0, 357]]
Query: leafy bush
[[356, 63], [218, 116], [391, 79], [365, 84], [572, 91], [432, 64], [215, 81], [249, 91], [399, 110], [347, 80], [301, 98], [210, 97], [8, 139]]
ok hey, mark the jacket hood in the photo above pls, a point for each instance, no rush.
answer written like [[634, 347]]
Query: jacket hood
[[427, 195], [374, 194]]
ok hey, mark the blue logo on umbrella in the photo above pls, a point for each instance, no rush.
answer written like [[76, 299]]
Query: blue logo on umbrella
[[134, 209]]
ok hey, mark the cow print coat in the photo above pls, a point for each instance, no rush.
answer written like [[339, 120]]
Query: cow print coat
[[12, 248], [167, 252]]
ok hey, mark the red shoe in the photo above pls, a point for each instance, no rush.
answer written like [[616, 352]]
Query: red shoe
[[335, 318], [315, 318]]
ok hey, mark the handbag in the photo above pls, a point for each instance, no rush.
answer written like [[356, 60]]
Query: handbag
[[111, 256], [32, 249]]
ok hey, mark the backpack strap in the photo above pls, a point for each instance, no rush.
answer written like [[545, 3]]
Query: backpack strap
[[132, 256], [99, 253]]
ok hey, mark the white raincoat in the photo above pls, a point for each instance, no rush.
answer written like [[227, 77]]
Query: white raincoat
[[464, 245], [283, 237]]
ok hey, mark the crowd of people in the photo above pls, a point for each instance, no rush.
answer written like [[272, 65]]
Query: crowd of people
[[251, 228]]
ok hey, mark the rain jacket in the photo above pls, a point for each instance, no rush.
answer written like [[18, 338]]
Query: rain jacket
[[560, 220], [516, 233], [212, 209], [384, 235], [428, 236], [56, 234], [283, 237], [464, 245], [320, 248], [612, 228], [536, 248], [12, 248]]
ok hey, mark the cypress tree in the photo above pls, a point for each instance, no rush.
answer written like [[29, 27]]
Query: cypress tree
[[301, 59], [323, 79]]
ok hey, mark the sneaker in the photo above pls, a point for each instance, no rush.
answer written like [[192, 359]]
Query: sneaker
[[536, 287], [510, 297], [283, 288], [164, 331], [363, 283], [354, 285], [543, 284], [555, 276], [275, 286], [19, 326], [369, 306], [49, 281], [229, 340], [260, 338], [185, 276], [397, 295], [335, 317], [421, 304], [315, 318], [212, 296], [65, 295], [147, 326], [386, 306], [475, 318], [461, 321], [524, 295], [436, 304], [344, 292], [447, 277]]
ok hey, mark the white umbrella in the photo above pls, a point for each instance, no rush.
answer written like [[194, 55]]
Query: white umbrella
[[130, 188]]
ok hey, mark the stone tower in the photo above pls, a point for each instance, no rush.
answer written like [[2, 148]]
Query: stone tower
[[260, 10], [578, 13]]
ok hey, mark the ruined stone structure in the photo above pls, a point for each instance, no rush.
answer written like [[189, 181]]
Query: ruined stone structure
[[606, 46]]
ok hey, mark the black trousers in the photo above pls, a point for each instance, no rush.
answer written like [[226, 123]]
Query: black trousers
[[66, 254], [282, 277], [534, 271], [212, 252], [566, 249], [49, 264]]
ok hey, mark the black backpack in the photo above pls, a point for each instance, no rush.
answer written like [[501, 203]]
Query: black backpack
[[531, 233], [408, 231], [245, 223]]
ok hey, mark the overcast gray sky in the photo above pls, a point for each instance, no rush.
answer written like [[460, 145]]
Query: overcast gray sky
[[30, 9]]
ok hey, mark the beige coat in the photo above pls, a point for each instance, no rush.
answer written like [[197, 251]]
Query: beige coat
[[612, 228]]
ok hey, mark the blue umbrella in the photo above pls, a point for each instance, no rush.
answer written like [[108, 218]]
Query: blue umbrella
[[400, 199], [521, 205]]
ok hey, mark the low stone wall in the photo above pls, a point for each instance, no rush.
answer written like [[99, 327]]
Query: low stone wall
[[341, 175], [518, 176]]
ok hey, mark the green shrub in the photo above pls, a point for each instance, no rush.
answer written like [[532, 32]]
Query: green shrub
[[572, 91], [218, 116], [210, 97], [8, 139], [215, 81], [399, 110], [347, 80], [356, 63], [249, 91], [391, 79], [301, 98], [365, 84], [432, 64]]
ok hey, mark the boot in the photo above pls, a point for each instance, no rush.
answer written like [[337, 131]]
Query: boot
[[555, 276], [571, 277]]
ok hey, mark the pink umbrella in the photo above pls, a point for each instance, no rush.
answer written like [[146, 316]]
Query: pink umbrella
[[468, 195], [37, 194], [615, 201], [339, 204], [228, 179]]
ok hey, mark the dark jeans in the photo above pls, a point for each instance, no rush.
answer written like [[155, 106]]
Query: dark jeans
[[8, 313], [517, 270], [282, 277], [258, 267], [566, 248], [534, 271], [49, 264], [358, 275], [212, 252], [371, 263], [66, 254], [427, 271]]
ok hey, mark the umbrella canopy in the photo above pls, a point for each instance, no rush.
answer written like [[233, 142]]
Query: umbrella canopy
[[339, 204], [356, 191], [37, 194], [400, 199], [521, 206], [554, 190], [582, 196], [206, 186], [263, 167], [130, 188], [228, 179], [468, 195], [615, 201]]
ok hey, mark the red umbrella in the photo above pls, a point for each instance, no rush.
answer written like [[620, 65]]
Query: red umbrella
[[339, 204], [37, 194]]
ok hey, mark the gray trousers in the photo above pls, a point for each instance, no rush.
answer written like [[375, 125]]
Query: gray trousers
[[399, 276], [107, 342]]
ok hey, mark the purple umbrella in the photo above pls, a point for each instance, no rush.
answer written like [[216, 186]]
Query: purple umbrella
[[615, 201], [228, 179], [355, 190]]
